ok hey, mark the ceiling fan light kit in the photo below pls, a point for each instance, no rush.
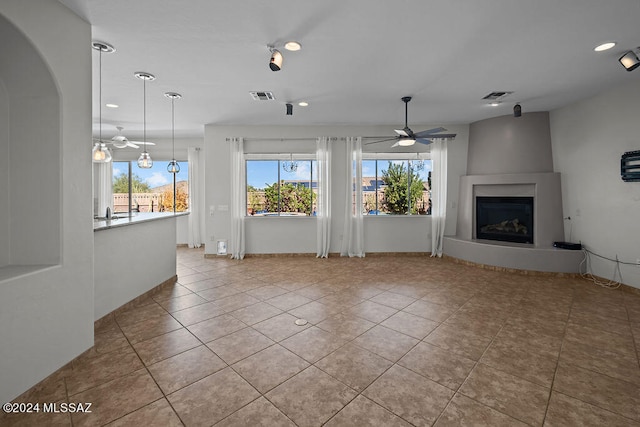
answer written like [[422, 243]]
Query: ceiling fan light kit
[[144, 161], [406, 142], [100, 153]]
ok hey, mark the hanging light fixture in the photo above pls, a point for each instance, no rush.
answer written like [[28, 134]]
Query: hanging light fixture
[[144, 161], [290, 166], [100, 153], [418, 164], [173, 166]]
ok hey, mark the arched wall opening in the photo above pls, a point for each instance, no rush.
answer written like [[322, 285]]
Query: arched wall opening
[[30, 157]]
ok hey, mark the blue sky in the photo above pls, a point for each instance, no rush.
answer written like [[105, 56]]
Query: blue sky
[[261, 172], [155, 176]]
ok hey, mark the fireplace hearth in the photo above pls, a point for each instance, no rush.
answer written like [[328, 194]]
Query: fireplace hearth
[[507, 219]]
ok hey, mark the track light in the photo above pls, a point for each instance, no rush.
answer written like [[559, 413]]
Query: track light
[[517, 110], [289, 109], [630, 61], [276, 59]]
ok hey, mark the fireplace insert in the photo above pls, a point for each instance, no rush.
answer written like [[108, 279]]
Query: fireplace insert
[[507, 219]]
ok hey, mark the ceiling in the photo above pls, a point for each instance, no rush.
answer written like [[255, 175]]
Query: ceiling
[[358, 58]]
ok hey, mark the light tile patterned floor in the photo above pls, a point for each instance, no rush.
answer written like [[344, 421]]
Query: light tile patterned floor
[[390, 341]]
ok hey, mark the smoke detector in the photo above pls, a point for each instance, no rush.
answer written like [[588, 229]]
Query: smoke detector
[[262, 96]]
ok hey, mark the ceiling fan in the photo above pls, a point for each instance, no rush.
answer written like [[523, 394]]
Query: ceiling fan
[[121, 141], [406, 137]]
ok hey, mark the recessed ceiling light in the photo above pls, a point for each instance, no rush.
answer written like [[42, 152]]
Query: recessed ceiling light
[[111, 105], [292, 46], [604, 46], [494, 103], [303, 103]]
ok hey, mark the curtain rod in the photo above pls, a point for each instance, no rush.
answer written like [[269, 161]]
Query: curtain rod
[[282, 139]]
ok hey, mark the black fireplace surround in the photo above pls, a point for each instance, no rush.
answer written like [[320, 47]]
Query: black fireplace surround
[[507, 219]]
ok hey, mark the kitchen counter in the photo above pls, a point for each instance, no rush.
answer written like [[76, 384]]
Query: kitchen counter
[[135, 218]]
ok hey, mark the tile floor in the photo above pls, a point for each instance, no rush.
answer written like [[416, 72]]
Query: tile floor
[[390, 341]]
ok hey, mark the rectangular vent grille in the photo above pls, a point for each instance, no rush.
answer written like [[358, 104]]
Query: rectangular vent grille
[[262, 96], [630, 166], [497, 95]]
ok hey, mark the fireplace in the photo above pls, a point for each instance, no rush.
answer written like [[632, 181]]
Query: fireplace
[[507, 219]]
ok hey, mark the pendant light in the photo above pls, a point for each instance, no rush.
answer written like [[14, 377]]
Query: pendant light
[[144, 161], [100, 153], [173, 166]]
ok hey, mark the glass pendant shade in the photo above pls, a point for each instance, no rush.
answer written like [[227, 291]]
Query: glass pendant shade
[[100, 153], [173, 166], [145, 161]]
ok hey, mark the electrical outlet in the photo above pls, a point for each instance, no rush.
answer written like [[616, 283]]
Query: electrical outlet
[[212, 239]]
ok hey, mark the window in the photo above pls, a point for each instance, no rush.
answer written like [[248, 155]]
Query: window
[[152, 190], [274, 189], [396, 186]]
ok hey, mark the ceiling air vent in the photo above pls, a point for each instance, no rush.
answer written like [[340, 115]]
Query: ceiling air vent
[[497, 95], [262, 96]]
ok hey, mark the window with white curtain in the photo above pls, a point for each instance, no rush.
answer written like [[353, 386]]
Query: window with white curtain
[[276, 189], [396, 184]]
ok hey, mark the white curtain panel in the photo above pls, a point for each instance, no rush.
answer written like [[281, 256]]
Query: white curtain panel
[[438, 195], [238, 198], [323, 212], [104, 174], [353, 236], [194, 239]]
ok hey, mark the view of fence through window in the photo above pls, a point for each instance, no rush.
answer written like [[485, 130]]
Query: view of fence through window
[[151, 189], [396, 187], [273, 189], [389, 187]]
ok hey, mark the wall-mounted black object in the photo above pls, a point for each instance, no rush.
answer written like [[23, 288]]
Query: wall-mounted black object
[[630, 166], [289, 109], [517, 110]]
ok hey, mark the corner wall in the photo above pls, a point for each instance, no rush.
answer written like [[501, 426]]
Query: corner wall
[[47, 316], [588, 139]]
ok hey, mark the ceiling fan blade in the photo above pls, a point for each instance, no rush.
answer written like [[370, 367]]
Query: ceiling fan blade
[[381, 140], [424, 141], [131, 144], [395, 145], [424, 133], [442, 135], [403, 132], [142, 143]]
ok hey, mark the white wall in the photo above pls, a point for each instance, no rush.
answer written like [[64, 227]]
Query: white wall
[[163, 151], [5, 248], [298, 235], [132, 260], [588, 139], [47, 316]]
